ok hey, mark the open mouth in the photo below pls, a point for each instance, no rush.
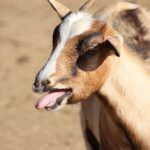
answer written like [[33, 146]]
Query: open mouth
[[55, 99]]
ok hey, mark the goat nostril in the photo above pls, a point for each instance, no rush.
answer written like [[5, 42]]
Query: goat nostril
[[45, 82]]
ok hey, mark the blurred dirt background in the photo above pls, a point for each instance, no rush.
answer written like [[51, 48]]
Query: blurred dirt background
[[25, 44]]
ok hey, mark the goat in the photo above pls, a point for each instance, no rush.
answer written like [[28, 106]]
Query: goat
[[76, 60]]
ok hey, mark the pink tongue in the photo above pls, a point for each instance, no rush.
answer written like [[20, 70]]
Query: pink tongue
[[48, 99]]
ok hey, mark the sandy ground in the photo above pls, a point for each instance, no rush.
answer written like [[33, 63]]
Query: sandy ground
[[25, 43]]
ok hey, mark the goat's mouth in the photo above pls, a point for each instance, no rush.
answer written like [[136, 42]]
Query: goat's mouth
[[55, 99]]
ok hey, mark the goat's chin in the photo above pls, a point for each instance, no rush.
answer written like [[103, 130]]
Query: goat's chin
[[76, 99], [62, 105], [70, 100]]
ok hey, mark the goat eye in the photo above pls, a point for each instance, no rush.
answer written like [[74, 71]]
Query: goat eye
[[88, 61], [92, 52]]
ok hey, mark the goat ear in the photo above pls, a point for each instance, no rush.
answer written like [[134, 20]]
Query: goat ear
[[87, 5], [110, 35], [116, 43]]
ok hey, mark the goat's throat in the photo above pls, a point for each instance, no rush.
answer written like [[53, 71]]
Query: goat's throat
[[128, 94]]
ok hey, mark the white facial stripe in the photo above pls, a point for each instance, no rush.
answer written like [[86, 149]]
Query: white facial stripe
[[50, 66], [74, 24]]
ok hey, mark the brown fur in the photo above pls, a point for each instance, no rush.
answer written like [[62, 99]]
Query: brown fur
[[126, 27], [125, 108], [67, 56], [113, 136]]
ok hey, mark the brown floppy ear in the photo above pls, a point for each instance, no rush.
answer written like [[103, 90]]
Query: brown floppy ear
[[115, 40]]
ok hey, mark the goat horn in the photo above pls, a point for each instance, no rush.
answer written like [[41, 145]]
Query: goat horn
[[59, 8], [87, 5]]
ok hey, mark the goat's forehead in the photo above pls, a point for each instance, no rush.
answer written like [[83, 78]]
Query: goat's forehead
[[75, 24]]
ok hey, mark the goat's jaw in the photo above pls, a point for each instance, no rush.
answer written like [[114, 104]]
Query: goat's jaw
[[54, 100]]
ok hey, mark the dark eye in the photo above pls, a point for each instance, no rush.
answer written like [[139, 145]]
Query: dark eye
[[92, 52], [93, 58], [89, 60]]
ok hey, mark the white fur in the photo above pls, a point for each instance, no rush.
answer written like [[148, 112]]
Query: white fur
[[74, 24]]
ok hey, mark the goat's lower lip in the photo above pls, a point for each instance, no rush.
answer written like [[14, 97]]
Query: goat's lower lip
[[53, 99]]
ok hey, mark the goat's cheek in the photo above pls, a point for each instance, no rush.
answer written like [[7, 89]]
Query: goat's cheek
[[81, 88], [87, 83]]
